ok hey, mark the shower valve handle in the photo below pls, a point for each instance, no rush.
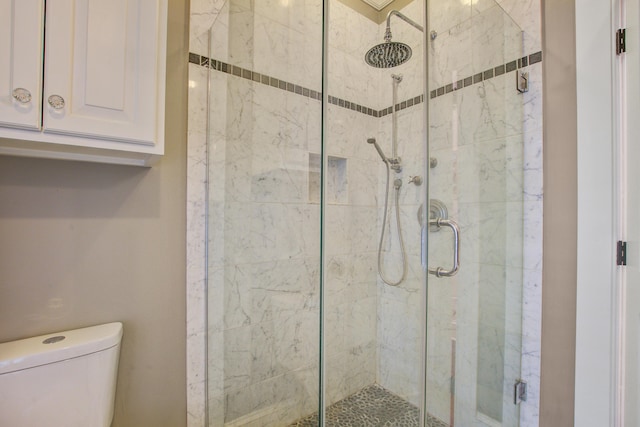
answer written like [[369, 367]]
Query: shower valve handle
[[417, 180]]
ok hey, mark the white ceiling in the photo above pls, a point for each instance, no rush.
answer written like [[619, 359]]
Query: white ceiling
[[378, 4]]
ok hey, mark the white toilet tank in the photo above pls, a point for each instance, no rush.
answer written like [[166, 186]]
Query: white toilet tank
[[65, 379]]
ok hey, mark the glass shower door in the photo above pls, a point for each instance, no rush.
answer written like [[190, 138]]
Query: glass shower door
[[476, 148], [401, 345]]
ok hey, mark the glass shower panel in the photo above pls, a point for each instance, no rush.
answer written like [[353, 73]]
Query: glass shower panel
[[373, 345], [264, 203], [263, 212], [476, 139]]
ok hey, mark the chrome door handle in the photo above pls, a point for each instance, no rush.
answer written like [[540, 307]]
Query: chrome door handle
[[439, 271]]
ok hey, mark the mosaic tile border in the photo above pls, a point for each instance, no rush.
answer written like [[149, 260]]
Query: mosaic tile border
[[265, 79], [501, 69], [217, 65]]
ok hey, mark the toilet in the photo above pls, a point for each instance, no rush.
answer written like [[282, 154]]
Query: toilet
[[65, 379]]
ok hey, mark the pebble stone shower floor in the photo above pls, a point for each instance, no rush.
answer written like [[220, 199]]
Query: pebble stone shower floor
[[373, 406]]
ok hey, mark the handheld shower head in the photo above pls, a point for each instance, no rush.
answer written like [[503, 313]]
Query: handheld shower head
[[378, 149]]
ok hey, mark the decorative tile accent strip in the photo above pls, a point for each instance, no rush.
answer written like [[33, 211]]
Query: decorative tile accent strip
[[535, 58], [501, 69], [244, 73]]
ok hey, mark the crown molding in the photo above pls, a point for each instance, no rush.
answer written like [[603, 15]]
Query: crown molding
[[365, 8], [378, 4]]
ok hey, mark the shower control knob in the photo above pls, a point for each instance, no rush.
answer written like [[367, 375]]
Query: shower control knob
[[417, 180]]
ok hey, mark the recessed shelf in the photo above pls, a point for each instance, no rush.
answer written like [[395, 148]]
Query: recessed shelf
[[337, 190]]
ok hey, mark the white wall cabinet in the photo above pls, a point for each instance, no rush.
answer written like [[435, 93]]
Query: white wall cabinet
[[96, 89], [21, 37]]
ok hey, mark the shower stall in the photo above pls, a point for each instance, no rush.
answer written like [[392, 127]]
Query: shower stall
[[366, 213]]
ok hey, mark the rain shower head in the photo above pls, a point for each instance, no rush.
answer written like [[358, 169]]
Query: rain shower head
[[391, 54], [388, 54]]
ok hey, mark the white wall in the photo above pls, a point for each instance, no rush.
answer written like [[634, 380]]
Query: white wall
[[594, 77]]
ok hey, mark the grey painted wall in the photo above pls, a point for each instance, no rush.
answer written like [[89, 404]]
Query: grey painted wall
[[83, 244], [560, 214]]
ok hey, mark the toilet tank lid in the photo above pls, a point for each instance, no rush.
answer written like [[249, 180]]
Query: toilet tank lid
[[50, 348]]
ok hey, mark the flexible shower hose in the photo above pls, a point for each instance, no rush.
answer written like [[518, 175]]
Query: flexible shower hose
[[398, 228]]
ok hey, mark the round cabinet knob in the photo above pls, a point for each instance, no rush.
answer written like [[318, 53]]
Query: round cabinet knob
[[56, 102], [21, 95]]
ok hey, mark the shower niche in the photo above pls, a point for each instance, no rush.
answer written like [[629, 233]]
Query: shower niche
[[337, 183]]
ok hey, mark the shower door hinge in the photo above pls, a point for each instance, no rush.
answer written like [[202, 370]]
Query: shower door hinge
[[621, 253], [520, 392], [621, 40], [522, 81]]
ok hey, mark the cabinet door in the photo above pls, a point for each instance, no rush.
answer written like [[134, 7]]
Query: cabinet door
[[104, 69], [21, 63]]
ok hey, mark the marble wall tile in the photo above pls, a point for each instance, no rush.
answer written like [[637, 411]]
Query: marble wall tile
[[363, 185], [273, 402], [350, 37], [412, 230], [532, 103], [441, 335], [533, 220], [276, 231], [493, 232], [531, 337], [526, 14], [196, 264], [264, 297], [196, 401], [349, 371], [399, 347], [240, 48], [217, 39], [278, 50], [466, 344], [490, 110], [357, 87], [444, 14], [499, 334], [495, 39], [289, 14], [203, 14], [532, 252], [450, 54], [347, 134]]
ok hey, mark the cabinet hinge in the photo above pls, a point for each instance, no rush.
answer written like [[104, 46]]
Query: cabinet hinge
[[621, 40], [621, 253], [520, 392]]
